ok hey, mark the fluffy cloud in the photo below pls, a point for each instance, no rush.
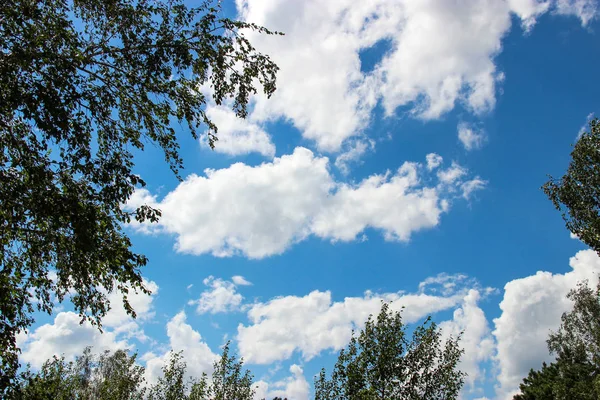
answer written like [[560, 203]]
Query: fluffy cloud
[[182, 337], [469, 187], [321, 89], [117, 317], [433, 161], [67, 336], [237, 136], [452, 174], [528, 10], [313, 323], [476, 339], [531, 308], [260, 211], [353, 154], [222, 296], [585, 10], [329, 96], [294, 387], [240, 280], [470, 137]]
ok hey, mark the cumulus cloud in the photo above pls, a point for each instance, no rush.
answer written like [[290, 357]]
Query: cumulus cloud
[[528, 10], [352, 155], [531, 308], [117, 317], [585, 10], [182, 337], [451, 174], [433, 161], [313, 323], [472, 186], [237, 136], [221, 297], [470, 137], [327, 94], [261, 211], [67, 336], [294, 387], [240, 280], [476, 340]]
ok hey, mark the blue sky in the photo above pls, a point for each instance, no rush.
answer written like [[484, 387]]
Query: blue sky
[[400, 159]]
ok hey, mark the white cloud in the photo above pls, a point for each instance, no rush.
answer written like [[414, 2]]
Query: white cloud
[[261, 211], [236, 135], [433, 161], [67, 336], [240, 280], [117, 317], [529, 10], [325, 94], [352, 155], [294, 387], [476, 339], [222, 297], [470, 137], [461, 40], [451, 175], [585, 10], [471, 186], [313, 323], [531, 308], [320, 87], [585, 126], [182, 337], [443, 283]]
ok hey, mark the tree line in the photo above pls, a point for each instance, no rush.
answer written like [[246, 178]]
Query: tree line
[[381, 362]]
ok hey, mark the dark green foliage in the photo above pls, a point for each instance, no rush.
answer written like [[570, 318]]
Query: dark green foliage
[[577, 193], [229, 381], [576, 372], [117, 376], [105, 377], [577, 345], [83, 85], [382, 362], [538, 385], [173, 385]]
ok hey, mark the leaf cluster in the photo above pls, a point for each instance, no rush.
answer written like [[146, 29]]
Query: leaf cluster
[[384, 362], [577, 194], [84, 85]]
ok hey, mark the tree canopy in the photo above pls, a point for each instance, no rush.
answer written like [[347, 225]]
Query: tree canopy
[[577, 194], [538, 384], [382, 362], [84, 84], [229, 381], [576, 372], [117, 375], [107, 376]]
